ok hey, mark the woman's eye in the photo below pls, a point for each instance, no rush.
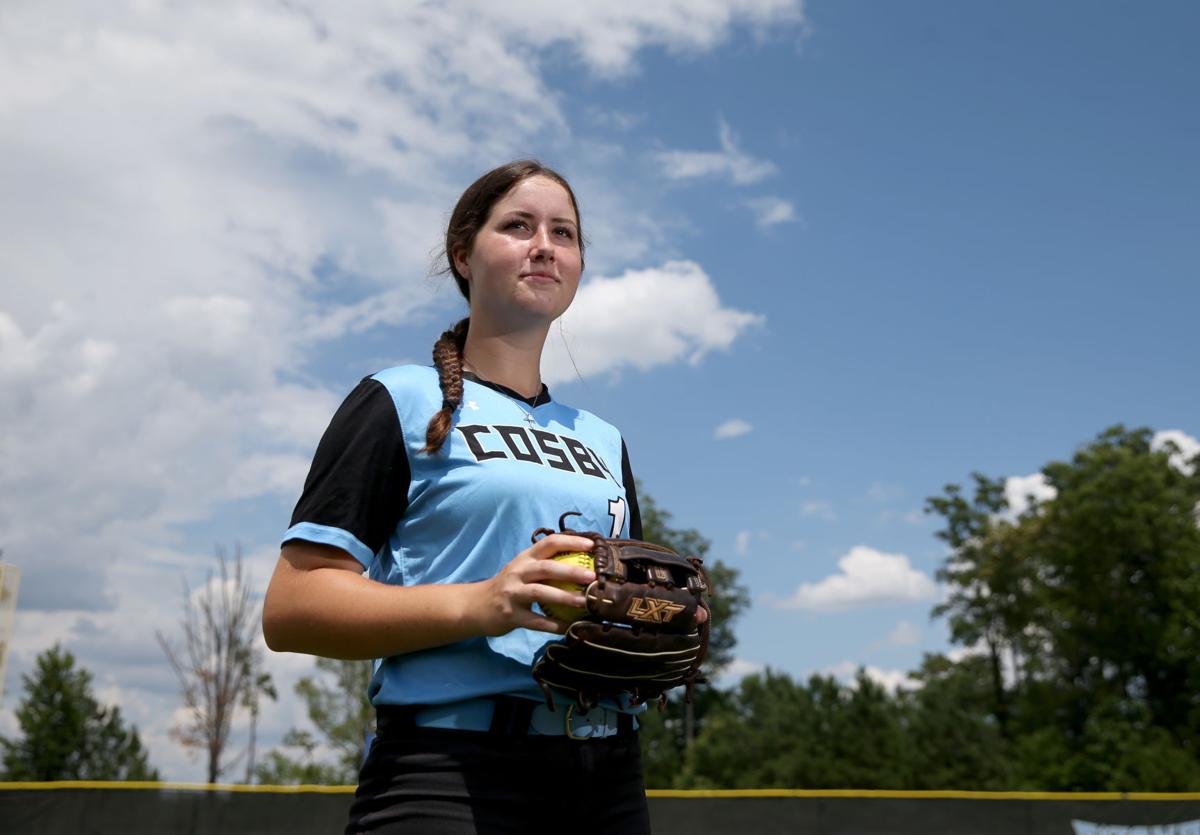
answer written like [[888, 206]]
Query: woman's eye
[[566, 231], [516, 224]]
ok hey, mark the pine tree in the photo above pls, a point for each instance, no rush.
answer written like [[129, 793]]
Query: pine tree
[[67, 734]]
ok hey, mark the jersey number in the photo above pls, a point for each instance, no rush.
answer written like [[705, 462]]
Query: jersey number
[[616, 509]]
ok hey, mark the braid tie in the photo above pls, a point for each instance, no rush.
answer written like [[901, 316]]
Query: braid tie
[[448, 360]]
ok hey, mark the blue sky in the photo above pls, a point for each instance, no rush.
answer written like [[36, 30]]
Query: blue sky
[[895, 243]]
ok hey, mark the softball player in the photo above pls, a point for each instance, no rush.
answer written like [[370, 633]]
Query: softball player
[[431, 481]]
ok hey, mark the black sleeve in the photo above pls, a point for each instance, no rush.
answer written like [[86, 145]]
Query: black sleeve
[[635, 514], [360, 474]]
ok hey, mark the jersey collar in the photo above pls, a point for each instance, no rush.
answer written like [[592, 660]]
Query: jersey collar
[[539, 399]]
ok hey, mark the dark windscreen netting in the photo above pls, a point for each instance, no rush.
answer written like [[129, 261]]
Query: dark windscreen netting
[[168, 812], [78, 811], [923, 816]]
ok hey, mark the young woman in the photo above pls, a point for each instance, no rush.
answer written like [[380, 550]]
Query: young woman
[[432, 480]]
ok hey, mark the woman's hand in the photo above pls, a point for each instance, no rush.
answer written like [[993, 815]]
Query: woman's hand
[[505, 601]]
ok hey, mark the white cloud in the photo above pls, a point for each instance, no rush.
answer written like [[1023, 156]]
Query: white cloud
[[642, 319], [867, 578], [820, 508], [118, 647], [771, 211], [1187, 448], [730, 162], [732, 429], [1019, 489], [1008, 670], [890, 680], [736, 670], [199, 199], [905, 634]]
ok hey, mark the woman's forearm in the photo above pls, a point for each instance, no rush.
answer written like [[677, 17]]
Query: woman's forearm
[[339, 613], [320, 603]]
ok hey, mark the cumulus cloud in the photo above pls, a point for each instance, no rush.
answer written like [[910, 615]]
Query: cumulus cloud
[[737, 670], [771, 211], [1022, 491], [730, 162], [1187, 448], [202, 199], [890, 680], [732, 429], [867, 577], [641, 319]]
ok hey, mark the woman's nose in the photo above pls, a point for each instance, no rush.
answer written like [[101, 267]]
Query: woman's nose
[[542, 247]]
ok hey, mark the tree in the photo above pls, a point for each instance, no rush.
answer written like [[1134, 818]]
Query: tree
[[1120, 554], [667, 735], [729, 599], [955, 739], [994, 599], [777, 733], [339, 709], [261, 684], [1088, 608], [67, 734], [219, 668]]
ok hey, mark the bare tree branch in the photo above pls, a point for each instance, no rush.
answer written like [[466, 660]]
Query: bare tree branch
[[219, 666]]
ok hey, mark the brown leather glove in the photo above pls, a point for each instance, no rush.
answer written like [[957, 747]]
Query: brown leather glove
[[640, 635]]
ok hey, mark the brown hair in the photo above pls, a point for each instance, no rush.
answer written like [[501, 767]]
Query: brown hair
[[468, 217]]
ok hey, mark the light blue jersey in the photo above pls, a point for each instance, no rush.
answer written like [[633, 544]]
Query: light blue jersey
[[507, 468]]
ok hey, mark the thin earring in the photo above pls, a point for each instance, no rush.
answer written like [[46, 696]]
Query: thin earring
[[570, 356]]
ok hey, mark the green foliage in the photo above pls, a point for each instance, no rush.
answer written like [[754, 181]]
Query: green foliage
[[1082, 620], [339, 709], [730, 597], [823, 734], [666, 735], [663, 735], [955, 739], [67, 734], [1086, 608]]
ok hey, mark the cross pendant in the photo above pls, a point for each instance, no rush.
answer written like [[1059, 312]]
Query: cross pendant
[[529, 419]]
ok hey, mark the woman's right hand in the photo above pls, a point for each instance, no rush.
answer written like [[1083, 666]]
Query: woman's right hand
[[505, 601]]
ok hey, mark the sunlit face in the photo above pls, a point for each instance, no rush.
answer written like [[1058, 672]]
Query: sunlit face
[[524, 265]]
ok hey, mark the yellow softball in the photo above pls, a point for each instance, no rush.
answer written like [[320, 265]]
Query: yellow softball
[[556, 610]]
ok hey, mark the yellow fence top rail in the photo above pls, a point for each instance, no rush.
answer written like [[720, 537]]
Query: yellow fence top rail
[[125, 785], [671, 793]]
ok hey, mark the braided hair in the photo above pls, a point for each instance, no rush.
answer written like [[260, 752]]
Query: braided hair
[[468, 217], [448, 360]]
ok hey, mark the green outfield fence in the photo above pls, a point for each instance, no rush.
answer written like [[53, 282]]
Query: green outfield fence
[[78, 808]]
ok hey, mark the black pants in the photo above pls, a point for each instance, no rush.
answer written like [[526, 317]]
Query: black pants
[[446, 782]]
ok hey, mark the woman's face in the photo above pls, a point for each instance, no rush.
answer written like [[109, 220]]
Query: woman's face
[[524, 265]]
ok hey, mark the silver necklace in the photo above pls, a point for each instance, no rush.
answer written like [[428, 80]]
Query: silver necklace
[[529, 418], [520, 404]]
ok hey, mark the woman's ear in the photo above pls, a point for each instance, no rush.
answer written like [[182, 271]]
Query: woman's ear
[[460, 263]]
